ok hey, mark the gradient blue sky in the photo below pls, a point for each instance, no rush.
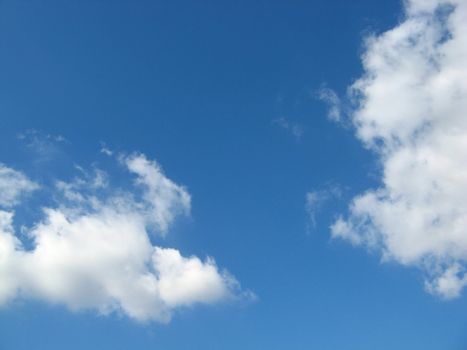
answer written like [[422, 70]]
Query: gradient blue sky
[[201, 87]]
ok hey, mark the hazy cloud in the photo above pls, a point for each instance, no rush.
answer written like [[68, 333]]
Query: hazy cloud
[[317, 199], [333, 102], [295, 129]]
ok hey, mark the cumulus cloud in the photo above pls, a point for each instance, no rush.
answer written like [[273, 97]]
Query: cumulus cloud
[[165, 199], [94, 251], [410, 109]]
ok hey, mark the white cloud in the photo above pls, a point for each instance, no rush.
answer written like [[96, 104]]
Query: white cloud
[[411, 109], [13, 185], [165, 199], [94, 252], [449, 283]]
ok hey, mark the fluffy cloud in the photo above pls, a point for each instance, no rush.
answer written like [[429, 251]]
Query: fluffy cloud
[[94, 252], [411, 106], [165, 199]]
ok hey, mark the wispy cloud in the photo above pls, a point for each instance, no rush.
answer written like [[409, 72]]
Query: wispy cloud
[[13, 186], [295, 129], [106, 150], [44, 146], [333, 102], [316, 200]]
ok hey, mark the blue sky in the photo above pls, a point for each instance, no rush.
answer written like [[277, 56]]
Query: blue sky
[[327, 224]]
